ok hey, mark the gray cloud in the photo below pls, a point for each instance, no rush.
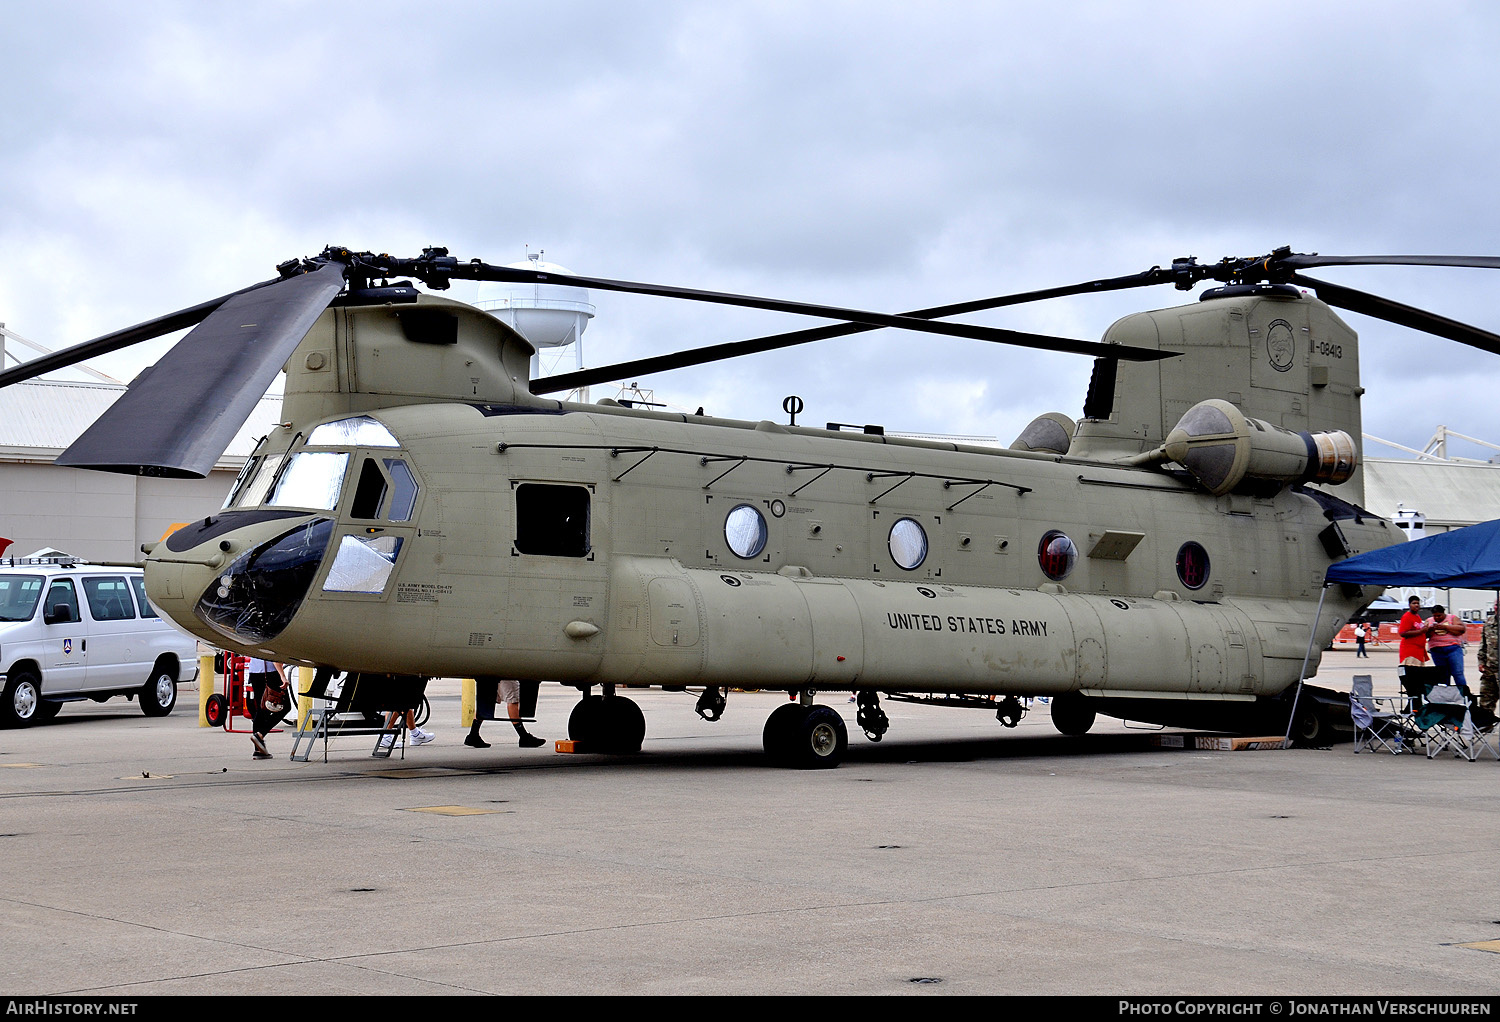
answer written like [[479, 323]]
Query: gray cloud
[[879, 155]]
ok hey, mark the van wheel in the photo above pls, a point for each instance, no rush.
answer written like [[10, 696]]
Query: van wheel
[[22, 703], [159, 694]]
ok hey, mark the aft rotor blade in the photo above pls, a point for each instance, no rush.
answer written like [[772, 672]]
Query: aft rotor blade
[[178, 416], [1300, 261], [734, 349], [152, 328], [1404, 315]]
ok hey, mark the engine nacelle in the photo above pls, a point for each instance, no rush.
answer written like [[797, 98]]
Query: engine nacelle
[[1222, 448], [1051, 433]]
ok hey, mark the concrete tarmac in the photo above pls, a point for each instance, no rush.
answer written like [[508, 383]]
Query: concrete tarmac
[[153, 857]]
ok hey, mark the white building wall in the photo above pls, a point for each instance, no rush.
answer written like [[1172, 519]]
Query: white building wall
[[99, 516]]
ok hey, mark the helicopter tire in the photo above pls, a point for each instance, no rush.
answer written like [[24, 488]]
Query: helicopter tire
[[423, 713], [1310, 727], [586, 722], [780, 732], [819, 740], [1072, 714], [623, 726], [215, 710]]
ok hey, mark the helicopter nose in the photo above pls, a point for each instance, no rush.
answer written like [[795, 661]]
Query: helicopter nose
[[242, 580]]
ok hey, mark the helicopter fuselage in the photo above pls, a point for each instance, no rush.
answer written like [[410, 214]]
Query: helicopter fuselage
[[614, 546]]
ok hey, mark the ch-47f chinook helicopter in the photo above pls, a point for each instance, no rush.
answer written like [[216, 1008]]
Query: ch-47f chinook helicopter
[[426, 511]]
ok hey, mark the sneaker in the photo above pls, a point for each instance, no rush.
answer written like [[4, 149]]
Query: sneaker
[[260, 746], [532, 741], [260, 755], [386, 741], [473, 741], [420, 737]]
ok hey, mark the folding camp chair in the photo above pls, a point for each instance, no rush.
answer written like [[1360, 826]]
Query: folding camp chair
[[1415, 684], [1444, 721], [1375, 727], [1486, 735]]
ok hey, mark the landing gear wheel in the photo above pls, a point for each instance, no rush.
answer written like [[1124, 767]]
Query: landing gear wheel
[[821, 739], [586, 722], [216, 710], [806, 737], [1072, 714], [159, 694], [22, 700], [1309, 729], [624, 727], [779, 732]]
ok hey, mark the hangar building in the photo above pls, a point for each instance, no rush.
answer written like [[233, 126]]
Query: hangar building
[[99, 516]]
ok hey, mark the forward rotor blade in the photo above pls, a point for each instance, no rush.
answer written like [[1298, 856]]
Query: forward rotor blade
[[1404, 315], [179, 415], [152, 328], [734, 349]]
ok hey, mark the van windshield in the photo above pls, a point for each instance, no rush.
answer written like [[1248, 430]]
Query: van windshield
[[18, 596]]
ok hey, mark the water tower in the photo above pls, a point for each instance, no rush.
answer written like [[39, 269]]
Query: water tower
[[550, 316]]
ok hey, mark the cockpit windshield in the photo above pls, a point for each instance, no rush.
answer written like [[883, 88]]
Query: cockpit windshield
[[312, 479]]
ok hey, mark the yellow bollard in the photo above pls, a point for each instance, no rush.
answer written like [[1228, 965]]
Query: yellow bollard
[[304, 704], [467, 704], [208, 684]]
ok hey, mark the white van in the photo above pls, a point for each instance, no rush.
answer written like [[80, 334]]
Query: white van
[[70, 631]]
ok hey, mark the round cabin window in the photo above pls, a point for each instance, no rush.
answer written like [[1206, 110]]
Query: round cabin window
[[908, 544], [1192, 565], [745, 531], [1057, 555]]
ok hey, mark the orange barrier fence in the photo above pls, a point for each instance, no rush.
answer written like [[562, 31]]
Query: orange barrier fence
[[1387, 633]]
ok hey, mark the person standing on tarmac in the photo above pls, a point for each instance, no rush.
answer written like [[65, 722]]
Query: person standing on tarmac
[[1489, 661], [1413, 632], [264, 674]]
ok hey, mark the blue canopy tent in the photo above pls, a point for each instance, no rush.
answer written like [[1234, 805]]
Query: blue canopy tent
[[1467, 558]]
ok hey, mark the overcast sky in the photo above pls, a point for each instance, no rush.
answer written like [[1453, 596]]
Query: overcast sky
[[875, 155]]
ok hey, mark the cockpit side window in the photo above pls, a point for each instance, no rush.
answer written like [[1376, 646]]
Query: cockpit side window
[[403, 490], [552, 520], [374, 486], [369, 494]]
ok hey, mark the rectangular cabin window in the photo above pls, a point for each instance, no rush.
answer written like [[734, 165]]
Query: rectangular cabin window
[[552, 520]]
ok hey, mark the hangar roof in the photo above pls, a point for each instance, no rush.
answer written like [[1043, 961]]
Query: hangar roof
[[39, 418], [1449, 493]]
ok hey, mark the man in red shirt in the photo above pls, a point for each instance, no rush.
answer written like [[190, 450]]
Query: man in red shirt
[[1413, 632]]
